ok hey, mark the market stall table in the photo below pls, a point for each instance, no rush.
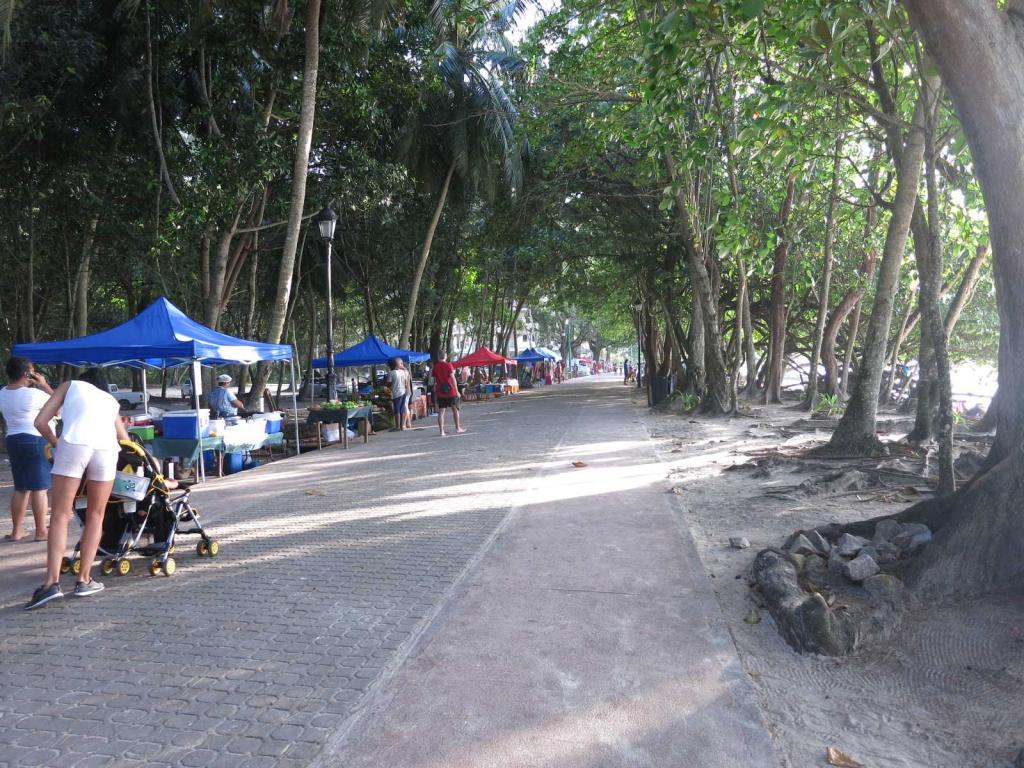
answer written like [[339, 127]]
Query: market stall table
[[341, 417], [187, 449]]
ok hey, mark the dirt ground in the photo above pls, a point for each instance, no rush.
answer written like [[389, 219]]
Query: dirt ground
[[946, 692]]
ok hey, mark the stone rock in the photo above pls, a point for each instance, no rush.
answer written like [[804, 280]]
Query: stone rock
[[820, 543], [1018, 761], [815, 567], [888, 553], [912, 535], [849, 545], [885, 530], [918, 542], [871, 551], [798, 561], [801, 545], [968, 463], [885, 588], [738, 542], [836, 562], [860, 568]]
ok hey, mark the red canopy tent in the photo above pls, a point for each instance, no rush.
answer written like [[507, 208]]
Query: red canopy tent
[[482, 357]]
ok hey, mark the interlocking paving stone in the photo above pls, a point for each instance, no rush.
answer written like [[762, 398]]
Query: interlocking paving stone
[[329, 566]]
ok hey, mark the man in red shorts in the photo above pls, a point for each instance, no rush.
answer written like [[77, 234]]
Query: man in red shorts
[[446, 391]]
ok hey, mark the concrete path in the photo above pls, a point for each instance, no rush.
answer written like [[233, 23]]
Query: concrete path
[[472, 601]]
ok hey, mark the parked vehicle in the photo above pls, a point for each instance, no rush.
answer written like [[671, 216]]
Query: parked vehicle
[[125, 398]]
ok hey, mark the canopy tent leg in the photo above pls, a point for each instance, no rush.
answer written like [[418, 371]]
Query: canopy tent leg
[[200, 472], [295, 408], [145, 393]]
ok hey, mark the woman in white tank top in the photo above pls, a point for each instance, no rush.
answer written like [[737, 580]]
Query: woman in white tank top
[[88, 447]]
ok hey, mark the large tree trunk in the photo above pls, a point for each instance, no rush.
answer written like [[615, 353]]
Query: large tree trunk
[[716, 394], [300, 169], [421, 266], [856, 430], [83, 279], [965, 292], [777, 311], [831, 332], [826, 277], [938, 418], [979, 52]]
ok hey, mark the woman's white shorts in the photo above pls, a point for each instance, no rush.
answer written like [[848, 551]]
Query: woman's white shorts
[[72, 460]]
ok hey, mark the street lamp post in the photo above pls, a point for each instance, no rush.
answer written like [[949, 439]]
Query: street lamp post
[[327, 219], [638, 308]]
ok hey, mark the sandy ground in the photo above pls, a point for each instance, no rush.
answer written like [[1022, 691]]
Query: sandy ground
[[946, 692]]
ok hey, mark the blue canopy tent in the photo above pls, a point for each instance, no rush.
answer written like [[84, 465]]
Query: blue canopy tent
[[552, 355], [371, 351], [161, 336], [533, 355]]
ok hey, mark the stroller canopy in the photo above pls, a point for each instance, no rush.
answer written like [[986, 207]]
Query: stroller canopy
[[481, 357], [371, 351], [161, 336]]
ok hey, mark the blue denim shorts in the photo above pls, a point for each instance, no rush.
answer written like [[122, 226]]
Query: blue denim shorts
[[29, 466]]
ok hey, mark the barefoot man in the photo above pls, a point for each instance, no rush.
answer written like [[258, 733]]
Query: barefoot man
[[446, 391]]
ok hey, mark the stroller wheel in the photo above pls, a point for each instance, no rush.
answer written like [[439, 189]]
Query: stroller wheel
[[202, 548], [65, 564], [76, 567], [107, 567], [170, 567], [154, 568], [214, 548], [124, 566]]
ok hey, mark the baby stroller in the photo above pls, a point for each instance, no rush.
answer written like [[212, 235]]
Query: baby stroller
[[143, 505]]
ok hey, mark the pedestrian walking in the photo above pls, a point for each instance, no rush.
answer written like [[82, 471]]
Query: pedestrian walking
[[407, 422], [400, 384], [446, 388], [20, 402], [88, 446]]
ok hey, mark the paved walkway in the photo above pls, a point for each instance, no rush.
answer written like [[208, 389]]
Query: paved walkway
[[417, 602]]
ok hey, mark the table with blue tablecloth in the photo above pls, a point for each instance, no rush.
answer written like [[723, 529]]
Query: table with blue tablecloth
[[189, 450], [343, 417]]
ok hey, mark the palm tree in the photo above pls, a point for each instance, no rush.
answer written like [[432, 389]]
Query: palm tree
[[464, 135]]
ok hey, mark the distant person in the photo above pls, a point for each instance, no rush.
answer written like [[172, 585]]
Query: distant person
[[428, 383], [88, 447], [447, 390], [409, 394], [20, 402], [221, 400], [398, 380]]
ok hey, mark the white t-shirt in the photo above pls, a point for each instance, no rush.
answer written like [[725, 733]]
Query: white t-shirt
[[399, 382], [20, 407], [89, 415]]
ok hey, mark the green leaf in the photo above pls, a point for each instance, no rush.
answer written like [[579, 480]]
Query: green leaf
[[752, 8]]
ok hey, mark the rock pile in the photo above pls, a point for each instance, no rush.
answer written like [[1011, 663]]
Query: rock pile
[[827, 593], [855, 557]]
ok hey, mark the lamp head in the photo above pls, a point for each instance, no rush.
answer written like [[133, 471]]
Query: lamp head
[[327, 219]]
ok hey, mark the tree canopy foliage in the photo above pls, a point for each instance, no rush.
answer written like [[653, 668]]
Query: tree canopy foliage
[[732, 168]]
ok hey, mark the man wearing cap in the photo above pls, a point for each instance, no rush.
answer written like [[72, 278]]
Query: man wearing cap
[[222, 402]]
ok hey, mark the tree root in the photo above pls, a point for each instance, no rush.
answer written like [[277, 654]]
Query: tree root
[[978, 538], [809, 623]]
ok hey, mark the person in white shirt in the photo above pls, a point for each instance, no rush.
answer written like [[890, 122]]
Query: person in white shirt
[[400, 386], [20, 401], [88, 447]]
